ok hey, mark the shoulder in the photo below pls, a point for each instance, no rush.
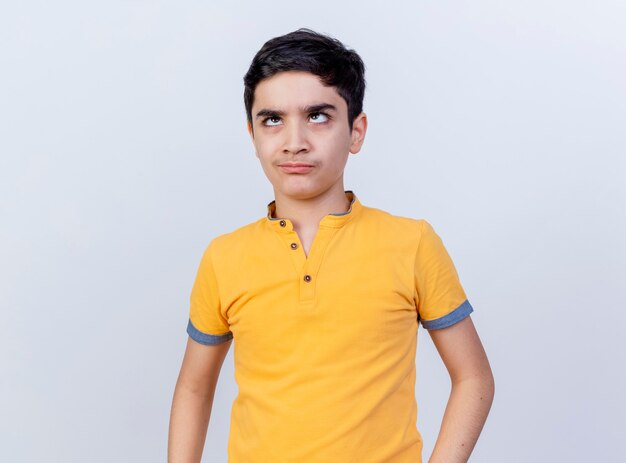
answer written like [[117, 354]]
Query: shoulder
[[399, 226], [237, 238]]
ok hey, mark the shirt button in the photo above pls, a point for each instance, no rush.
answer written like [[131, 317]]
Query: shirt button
[[307, 278], [282, 223], [294, 246]]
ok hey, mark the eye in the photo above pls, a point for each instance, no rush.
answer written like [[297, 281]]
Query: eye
[[265, 121], [316, 117]]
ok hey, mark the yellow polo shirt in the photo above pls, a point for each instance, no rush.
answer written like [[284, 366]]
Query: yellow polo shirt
[[324, 344]]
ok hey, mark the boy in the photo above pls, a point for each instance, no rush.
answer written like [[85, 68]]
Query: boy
[[323, 296]]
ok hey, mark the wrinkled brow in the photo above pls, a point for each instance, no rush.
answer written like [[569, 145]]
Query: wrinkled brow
[[306, 109]]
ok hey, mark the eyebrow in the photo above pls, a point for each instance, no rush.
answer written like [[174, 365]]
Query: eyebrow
[[306, 109]]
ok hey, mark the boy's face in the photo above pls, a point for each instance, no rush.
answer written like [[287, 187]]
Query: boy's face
[[296, 119]]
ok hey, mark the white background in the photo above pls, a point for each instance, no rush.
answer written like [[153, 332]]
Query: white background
[[124, 151]]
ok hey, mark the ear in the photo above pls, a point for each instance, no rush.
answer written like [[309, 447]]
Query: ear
[[251, 133], [359, 127]]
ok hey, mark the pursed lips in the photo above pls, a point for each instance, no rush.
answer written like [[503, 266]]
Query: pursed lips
[[295, 164], [296, 168]]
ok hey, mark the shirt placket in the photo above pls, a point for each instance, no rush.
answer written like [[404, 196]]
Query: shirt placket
[[307, 267]]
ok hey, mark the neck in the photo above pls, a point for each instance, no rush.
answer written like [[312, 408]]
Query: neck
[[306, 214]]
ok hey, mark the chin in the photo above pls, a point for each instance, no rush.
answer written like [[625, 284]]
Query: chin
[[300, 191]]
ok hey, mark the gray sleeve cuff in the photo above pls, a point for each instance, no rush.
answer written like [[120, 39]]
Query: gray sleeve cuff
[[207, 339], [450, 319]]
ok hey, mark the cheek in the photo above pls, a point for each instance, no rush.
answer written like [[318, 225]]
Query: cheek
[[266, 147], [262, 151], [338, 149]]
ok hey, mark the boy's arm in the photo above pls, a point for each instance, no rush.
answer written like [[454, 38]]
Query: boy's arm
[[471, 395], [193, 400]]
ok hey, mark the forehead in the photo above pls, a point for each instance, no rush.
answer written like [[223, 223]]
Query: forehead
[[289, 90]]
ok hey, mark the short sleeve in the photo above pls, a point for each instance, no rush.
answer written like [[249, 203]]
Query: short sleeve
[[207, 324], [439, 297]]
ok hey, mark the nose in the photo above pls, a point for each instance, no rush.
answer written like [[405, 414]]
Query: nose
[[296, 139]]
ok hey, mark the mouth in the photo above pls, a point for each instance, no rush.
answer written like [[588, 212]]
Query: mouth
[[296, 168], [295, 164]]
